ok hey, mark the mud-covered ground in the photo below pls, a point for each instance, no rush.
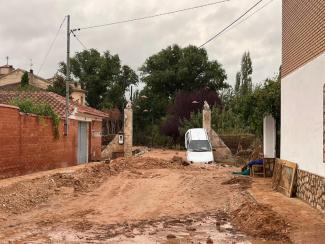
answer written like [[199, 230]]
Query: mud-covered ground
[[154, 198]]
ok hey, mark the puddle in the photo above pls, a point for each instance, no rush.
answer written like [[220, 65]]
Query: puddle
[[197, 232]]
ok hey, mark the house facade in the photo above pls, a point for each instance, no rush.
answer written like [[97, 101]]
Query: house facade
[[302, 96], [10, 79]]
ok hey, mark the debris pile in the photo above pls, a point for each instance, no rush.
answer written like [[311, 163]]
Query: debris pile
[[260, 221], [242, 181], [27, 194]]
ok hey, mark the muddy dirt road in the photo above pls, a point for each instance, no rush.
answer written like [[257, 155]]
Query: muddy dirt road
[[148, 199]]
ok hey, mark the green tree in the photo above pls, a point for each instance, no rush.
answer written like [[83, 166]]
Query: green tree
[[175, 68], [58, 85], [246, 74], [102, 76], [24, 80], [238, 83], [195, 121], [251, 108]]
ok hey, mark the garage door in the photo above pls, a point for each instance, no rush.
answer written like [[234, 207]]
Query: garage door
[[82, 142]]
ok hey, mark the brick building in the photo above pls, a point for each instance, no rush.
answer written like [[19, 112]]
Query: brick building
[[28, 144], [302, 97]]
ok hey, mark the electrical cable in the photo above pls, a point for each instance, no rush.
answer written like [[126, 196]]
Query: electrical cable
[[255, 12], [51, 46], [231, 24], [80, 42], [151, 16]]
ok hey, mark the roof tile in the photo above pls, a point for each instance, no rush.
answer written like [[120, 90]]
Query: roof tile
[[56, 101]]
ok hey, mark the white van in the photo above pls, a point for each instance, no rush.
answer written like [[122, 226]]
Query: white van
[[199, 149]]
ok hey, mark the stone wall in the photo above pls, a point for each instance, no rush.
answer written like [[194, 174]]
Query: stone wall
[[311, 188], [111, 148]]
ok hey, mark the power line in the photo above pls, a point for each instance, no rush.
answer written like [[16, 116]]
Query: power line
[[231, 24], [151, 16], [51, 46], [251, 15], [80, 42]]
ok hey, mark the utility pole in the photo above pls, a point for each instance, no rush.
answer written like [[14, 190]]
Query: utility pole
[[67, 82]]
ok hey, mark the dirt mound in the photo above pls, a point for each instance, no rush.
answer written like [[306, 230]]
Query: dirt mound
[[121, 164], [260, 221], [180, 160], [27, 194], [242, 181]]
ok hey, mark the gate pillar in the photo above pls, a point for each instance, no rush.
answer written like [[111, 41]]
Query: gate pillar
[[207, 118], [128, 130]]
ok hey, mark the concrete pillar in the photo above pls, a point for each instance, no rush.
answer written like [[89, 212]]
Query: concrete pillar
[[128, 130], [207, 118], [269, 136]]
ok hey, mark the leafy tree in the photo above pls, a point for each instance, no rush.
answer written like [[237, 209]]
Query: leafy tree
[[194, 121], [238, 83], [24, 80], [246, 74], [102, 76], [175, 69], [186, 103], [265, 99], [58, 85]]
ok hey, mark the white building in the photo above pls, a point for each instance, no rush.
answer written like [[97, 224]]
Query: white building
[[302, 96]]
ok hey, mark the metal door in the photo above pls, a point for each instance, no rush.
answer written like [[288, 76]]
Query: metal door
[[82, 142]]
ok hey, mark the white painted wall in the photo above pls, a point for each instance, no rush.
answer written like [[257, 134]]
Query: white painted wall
[[269, 137], [302, 116]]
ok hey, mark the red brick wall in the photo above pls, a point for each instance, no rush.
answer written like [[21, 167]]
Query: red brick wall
[[27, 144], [303, 27], [95, 141]]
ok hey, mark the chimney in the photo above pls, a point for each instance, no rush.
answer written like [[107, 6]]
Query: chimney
[[31, 76], [78, 94]]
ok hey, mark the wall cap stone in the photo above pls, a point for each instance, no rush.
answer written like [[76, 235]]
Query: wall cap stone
[[8, 106]]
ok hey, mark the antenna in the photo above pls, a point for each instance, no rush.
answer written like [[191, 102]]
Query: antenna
[[7, 60]]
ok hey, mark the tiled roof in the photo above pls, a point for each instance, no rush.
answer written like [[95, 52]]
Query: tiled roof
[[56, 101]]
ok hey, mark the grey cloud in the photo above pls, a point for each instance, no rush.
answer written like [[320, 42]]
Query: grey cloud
[[27, 28]]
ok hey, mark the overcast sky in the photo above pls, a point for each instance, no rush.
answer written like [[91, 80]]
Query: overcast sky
[[28, 27]]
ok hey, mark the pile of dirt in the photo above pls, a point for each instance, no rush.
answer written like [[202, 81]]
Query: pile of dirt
[[243, 182], [27, 194], [180, 160], [260, 221], [121, 164]]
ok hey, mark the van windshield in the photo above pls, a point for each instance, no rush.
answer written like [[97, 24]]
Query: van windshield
[[199, 146]]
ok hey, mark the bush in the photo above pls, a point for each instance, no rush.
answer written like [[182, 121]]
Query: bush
[[41, 109], [24, 79]]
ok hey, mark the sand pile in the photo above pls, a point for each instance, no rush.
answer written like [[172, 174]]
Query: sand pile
[[27, 194], [260, 221], [243, 182]]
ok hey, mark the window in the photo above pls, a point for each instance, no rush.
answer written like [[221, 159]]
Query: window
[[199, 146]]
